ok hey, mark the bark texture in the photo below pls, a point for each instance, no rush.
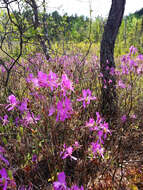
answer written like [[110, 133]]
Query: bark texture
[[107, 64]]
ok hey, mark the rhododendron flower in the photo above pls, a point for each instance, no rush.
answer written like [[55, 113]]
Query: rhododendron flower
[[68, 153], [132, 64], [140, 57], [66, 84], [30, 118], [2, 69], [76, 144], [12, 102], [64, 109], [98, 118], [105, 129], [124, 118], [112, 71], [5, 181], [133, 116], [99, 126], [52, 80], [133, 50], [61, 183], [121, 84], [32, 79], [23, 105], [4, 178], [4, 119], [86, 97], [2, 157], [34, 158], [51, 110], [97, 149], [91, 124], [42, 79]]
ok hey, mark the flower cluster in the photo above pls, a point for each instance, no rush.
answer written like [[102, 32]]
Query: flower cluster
[[101, 129], [67, 151], [5, 181], [50, 101], [87, 97], [61, 183]]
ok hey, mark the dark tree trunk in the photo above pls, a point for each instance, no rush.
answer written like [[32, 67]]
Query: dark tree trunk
[[109, 96], [41, 39]]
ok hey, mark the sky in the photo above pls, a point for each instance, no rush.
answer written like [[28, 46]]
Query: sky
[[98, 7]]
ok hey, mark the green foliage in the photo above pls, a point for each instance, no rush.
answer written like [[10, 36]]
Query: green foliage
[[65, 29]]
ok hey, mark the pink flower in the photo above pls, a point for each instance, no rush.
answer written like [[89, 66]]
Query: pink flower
[[51, 110], [97, 149], [133, 50], [99, 126], [91, 124], [30, 118], [76, 144], [133, 116], [5, 119], [112, 71], [2, 157], [121, 84], [52, 80], [61, 183], [86, 97], [42, 79], [66, 84], [68, 153], [32, 79], [23, 105], [64, 109], [98, 118], [4, 178], [124, 118], [12, 102]]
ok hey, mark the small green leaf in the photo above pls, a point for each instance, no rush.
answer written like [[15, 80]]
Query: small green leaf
[[21, 130], [4, 140], [10, 174], [18, 137]]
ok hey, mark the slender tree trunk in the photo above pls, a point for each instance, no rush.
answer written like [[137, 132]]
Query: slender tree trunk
[[107, 64], [41, 39]]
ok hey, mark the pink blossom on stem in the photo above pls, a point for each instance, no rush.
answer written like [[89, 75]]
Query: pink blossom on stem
[[32, 79], [124, 118], [87, 97], [51, 110], [42, 79], [61, 183], [2, 157], [97, 149], [12, 102], [23, 105], [30, 118], [4, 119], [66, 84], [68, 153], [121, 84], [52, 80], [64, 109]]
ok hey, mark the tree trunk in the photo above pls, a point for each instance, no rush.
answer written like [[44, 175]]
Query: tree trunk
[[107, 64]]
